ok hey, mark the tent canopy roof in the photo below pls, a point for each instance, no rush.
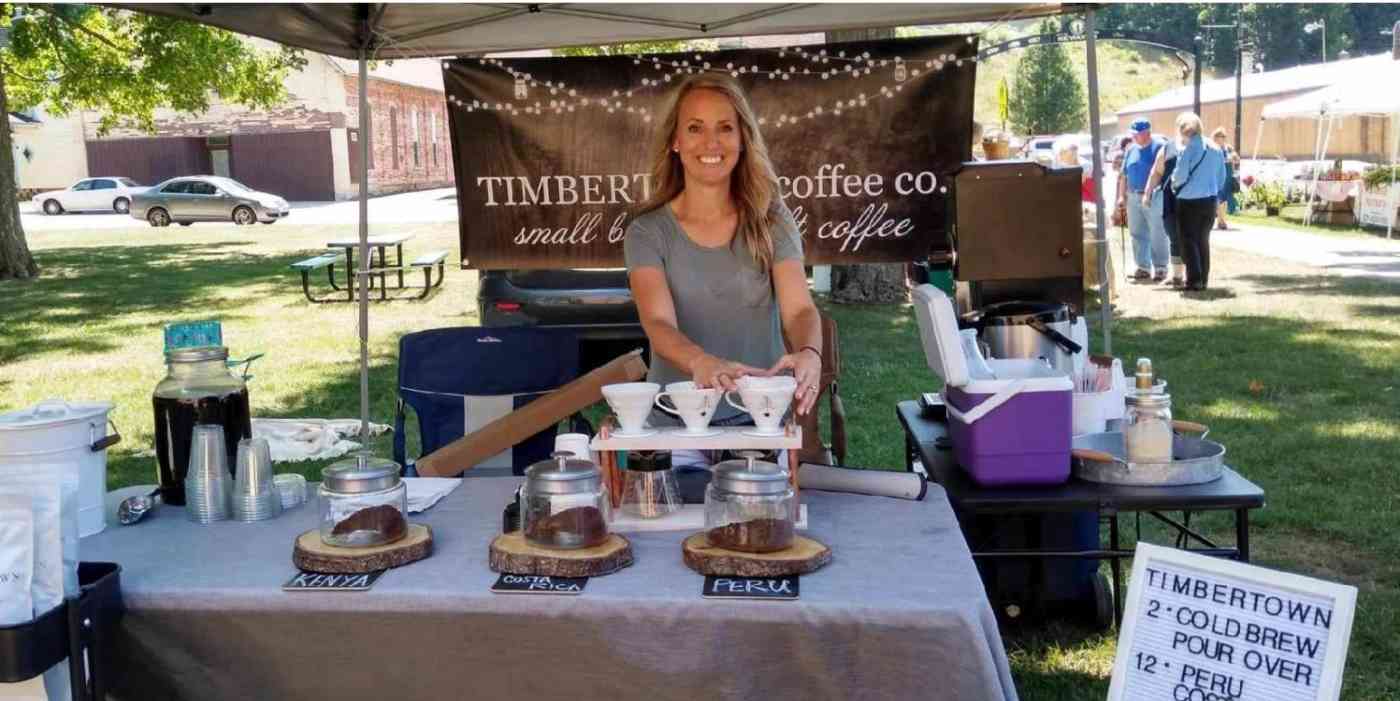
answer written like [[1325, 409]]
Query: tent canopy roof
[[410, 30], [1360, 94], [1286, 80]]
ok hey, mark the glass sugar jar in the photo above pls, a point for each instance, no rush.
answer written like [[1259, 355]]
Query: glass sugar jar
[[564, 504], [364, 502], [1147, 427], [749, 506]]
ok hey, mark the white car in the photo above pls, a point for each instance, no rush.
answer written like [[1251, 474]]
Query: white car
[[91, 195]]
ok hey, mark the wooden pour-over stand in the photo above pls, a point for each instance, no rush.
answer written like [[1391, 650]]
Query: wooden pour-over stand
[[805, 555]]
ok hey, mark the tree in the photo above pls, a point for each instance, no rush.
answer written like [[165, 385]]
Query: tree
[[637, 47], [1046, 97], [124, 65]]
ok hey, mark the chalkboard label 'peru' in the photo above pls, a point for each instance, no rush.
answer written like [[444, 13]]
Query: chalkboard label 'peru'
[[537, 584], [315, 581], [781, 588], [1198, 627]]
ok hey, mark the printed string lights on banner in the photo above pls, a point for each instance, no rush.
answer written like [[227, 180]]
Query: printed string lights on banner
[[564, 99]]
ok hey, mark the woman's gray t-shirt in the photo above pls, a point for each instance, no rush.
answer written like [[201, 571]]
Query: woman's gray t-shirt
[[723, 302]]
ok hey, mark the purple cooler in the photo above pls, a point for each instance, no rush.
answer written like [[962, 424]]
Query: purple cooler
[[1010, 420]]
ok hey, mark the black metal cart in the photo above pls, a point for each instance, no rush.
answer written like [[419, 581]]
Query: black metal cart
[[79, 629], [926, 440]]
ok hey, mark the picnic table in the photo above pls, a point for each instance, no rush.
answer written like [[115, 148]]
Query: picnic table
[[381, 268], [899, 613], [379, 244]]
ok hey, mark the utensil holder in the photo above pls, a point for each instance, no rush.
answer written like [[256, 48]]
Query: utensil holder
[[80, 628]]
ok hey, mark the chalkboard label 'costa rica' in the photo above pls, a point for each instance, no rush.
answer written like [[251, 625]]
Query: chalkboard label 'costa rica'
[[538, 584]]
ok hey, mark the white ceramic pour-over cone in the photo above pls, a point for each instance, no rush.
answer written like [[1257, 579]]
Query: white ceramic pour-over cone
[[694, 405], [766, 399], [631, 402]]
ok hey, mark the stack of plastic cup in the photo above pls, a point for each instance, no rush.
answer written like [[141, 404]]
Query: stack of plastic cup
[[292, 487], [254, 496], [207, 484]]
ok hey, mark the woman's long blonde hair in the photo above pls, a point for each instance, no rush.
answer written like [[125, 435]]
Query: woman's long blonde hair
[[753, 183]]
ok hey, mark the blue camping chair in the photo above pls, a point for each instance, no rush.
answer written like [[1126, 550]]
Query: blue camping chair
[[460, 379]]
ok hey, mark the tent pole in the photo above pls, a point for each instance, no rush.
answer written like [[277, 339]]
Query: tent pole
[[362, 279], [1258, 136], [1390, 201], [1100, 241], [1317, 171], [1317, 158]]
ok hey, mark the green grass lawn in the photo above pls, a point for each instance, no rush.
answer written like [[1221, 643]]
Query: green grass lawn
[[1296, 371]]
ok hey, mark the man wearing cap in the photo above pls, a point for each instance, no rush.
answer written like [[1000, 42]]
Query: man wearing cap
[[1151, 250]]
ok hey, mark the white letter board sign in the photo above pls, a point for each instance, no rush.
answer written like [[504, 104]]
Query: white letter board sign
[[1201, 628]]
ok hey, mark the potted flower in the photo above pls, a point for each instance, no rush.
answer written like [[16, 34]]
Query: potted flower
[[1269, 197]]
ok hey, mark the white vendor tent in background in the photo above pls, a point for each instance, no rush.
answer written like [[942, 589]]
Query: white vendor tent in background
[[1371, 92]]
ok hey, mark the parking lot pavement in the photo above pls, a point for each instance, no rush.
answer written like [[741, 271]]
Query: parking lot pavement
[[411, 207]]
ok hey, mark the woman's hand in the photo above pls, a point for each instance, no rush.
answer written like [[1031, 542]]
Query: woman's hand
[[1147, 200], [806, 366], [712, 371]]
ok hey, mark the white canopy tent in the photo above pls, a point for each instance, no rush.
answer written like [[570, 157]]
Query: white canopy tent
[[380, 31], [1369, 93]]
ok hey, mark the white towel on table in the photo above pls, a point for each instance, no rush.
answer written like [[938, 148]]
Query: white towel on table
[[295, 440], [423, 492]]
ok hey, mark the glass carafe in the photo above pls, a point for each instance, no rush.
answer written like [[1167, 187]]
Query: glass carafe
[[198, 389]]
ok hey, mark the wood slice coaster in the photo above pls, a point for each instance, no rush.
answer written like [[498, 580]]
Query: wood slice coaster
[[511, 553], [312, 555], [805, 556]]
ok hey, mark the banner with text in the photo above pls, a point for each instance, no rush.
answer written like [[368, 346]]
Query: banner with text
[[552, 153]]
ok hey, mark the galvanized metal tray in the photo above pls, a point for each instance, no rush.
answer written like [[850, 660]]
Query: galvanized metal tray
[[1194, 461]]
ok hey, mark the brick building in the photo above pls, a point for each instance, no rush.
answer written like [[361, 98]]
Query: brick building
[[306, 148]]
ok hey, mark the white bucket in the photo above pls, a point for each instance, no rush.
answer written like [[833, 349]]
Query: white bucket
[[69, 436]]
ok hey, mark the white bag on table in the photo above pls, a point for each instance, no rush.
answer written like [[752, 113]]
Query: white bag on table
[[16, 580], [53, 493]]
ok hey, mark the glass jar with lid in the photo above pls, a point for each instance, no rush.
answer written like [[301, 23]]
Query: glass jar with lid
[[564, 503], [197, 389], [749, 506], [363, 502], [1147, 427]]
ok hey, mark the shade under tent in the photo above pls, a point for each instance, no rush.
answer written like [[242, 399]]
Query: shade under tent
[[382, 31]]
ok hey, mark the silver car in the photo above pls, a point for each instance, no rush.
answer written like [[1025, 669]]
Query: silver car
[[193, 198]]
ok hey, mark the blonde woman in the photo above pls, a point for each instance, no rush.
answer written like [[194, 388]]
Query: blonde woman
[[714, 258], [1197, 180]]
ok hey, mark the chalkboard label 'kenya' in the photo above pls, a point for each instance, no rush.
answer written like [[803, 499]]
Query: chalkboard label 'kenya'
[[781, 588], [315, 581], [1198, 627], [536, 584]]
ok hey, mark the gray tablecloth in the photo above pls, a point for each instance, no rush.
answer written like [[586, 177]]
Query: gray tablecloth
[[900, 613]]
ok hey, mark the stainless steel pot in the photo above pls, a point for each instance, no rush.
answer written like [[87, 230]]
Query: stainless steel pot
[[1027, 330], [1101, 457]]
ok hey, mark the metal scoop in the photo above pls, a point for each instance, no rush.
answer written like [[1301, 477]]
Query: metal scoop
[[133, 509]]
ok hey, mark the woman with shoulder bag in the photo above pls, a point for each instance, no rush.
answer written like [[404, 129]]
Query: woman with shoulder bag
[[1197, 182]]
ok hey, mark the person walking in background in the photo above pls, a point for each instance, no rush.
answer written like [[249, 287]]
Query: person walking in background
[[1197, 182], [1120, 186], [1151, 249], [1226, 204]]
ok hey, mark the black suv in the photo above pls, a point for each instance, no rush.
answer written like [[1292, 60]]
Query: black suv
[[597, 302]]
